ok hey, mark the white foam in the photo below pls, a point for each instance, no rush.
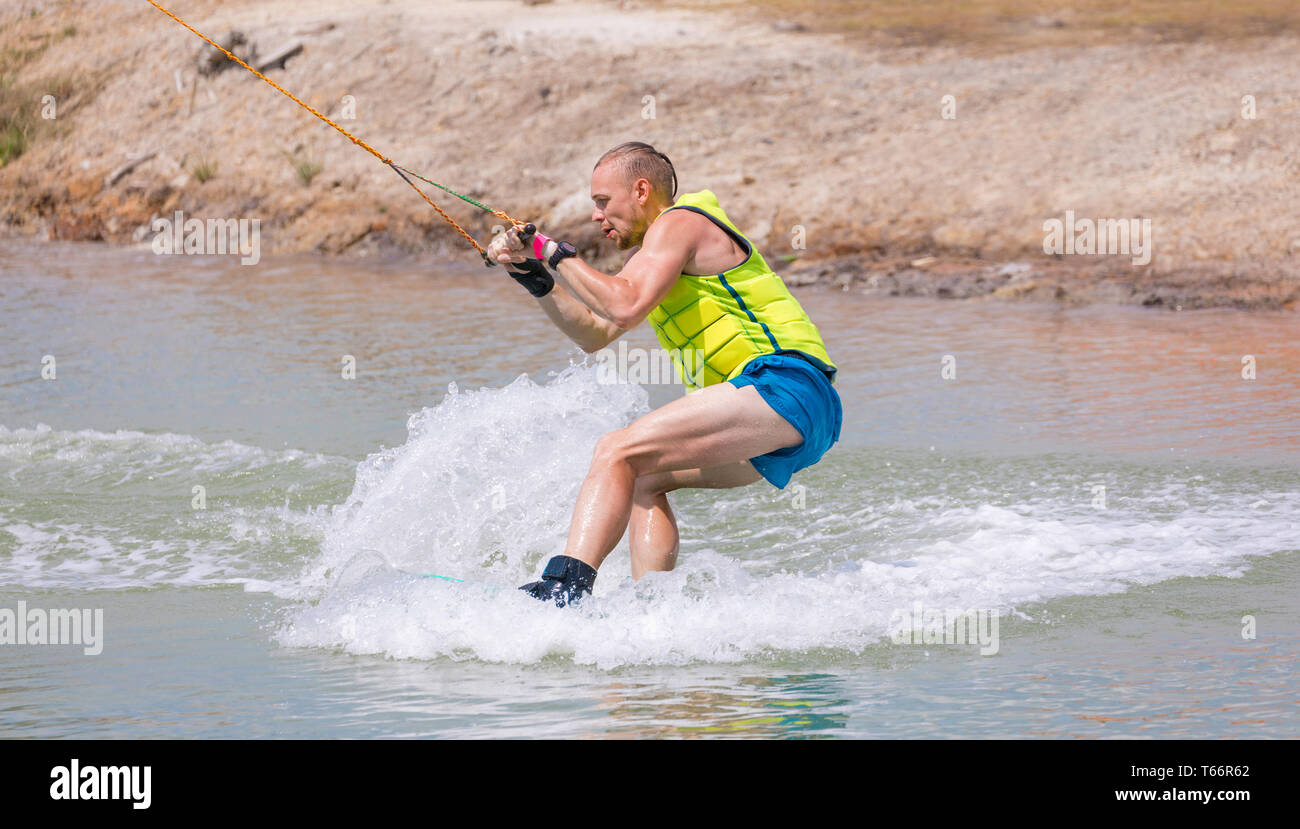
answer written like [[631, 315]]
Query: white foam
[[124, 455], [138, 527], [756, 578], [484, 485]]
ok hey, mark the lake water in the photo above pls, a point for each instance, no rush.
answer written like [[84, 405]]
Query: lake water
[[1101, 481]]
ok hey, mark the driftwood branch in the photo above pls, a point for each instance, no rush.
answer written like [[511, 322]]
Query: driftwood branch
[[116, 176], [277, 59]]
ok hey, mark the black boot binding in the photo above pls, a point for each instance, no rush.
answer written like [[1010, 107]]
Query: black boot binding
[[565, 580]]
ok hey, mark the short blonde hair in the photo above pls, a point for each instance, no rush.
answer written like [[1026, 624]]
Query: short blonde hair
[[637, 160]]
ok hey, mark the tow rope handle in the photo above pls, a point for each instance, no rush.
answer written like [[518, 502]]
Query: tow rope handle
[[526, 233]]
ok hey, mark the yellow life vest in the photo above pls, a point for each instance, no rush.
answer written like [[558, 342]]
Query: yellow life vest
[[713, 325]]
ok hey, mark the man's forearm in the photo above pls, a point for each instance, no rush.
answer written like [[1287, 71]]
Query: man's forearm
[[577, 321], [609, 298]]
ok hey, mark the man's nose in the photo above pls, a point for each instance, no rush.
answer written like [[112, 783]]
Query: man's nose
[[597, 215]]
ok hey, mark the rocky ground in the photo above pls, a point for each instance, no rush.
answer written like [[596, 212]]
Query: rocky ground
[[831, 151]]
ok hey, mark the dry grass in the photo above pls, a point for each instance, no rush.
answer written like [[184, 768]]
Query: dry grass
[[21, 101], [1000, 25], [204, 170], [304, 163], [20, 112]]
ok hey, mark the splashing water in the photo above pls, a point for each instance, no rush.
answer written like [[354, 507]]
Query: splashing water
[[485, 485]]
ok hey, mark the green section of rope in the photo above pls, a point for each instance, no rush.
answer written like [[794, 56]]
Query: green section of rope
[[479, 205]]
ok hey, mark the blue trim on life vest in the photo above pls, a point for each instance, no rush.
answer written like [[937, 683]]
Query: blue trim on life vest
[[745, 308], [735, 236]]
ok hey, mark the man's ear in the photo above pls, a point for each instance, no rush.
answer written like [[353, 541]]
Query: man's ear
[[642, 190]]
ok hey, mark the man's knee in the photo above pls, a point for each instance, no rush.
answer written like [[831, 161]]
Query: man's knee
[[619, 448], [610, 449]]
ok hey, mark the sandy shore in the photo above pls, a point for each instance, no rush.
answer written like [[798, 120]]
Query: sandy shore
[[835, 155]]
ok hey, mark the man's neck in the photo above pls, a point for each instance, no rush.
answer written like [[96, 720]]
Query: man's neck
[[659, 206]]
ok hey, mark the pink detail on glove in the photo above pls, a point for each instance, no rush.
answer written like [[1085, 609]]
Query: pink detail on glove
[[539, 245]]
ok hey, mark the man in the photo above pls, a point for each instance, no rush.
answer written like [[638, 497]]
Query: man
[[766, 407]]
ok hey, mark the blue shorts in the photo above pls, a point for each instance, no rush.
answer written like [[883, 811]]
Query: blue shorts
[[801, 393]]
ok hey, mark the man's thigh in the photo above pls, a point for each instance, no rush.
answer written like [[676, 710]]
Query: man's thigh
[[714, 427]]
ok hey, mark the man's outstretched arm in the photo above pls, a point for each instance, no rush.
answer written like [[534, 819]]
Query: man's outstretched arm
[[590, 332], [625, 298], [597, 307], [577, 321]]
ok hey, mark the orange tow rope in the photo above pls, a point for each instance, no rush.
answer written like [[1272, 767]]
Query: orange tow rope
[[399, 170]]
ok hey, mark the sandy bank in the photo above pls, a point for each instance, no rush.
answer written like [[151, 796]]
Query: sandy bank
[[833, 154]]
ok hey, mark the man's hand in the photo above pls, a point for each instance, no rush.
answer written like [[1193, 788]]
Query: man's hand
[[533, 275], [507, 248]]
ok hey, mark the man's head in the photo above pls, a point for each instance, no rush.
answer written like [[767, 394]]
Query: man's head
[[631, 184]]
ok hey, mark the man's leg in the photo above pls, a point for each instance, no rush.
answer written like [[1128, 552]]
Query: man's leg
[[719, 425], [652, 530]]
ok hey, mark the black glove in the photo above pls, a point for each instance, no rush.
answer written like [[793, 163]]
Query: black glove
[[535, 277], [564, 581]]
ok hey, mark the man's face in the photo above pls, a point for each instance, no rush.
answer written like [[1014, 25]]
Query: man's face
[[620, 207]]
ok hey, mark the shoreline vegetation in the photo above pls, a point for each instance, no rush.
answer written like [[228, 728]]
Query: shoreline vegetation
[[903, 147]]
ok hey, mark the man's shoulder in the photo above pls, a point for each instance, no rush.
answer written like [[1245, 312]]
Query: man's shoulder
[[698, 210], [678, 226]]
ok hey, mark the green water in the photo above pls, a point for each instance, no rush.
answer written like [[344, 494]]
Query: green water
[[281, 607]]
